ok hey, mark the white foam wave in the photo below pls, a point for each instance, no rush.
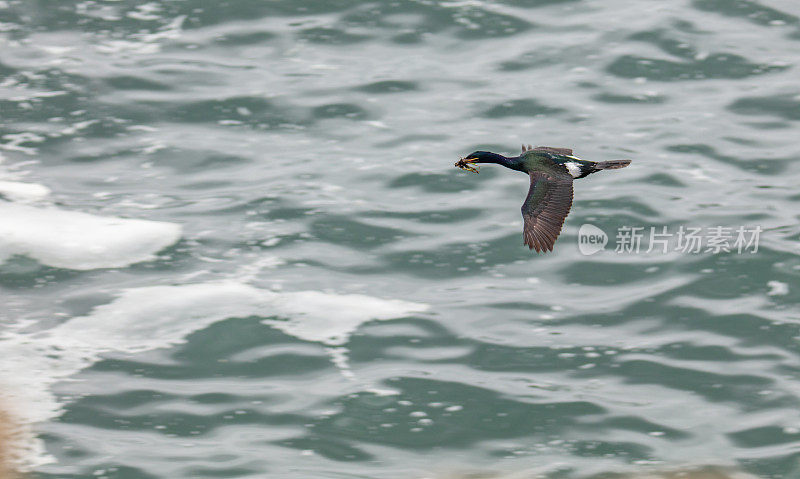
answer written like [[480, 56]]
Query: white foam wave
[[80, 241], [158, 316], [330, 318], [17, 191], [777, 288]]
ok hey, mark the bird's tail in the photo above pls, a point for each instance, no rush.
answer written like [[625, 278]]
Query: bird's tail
[[611, 165]]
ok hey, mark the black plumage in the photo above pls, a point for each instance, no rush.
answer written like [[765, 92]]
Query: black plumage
[[551, 171]]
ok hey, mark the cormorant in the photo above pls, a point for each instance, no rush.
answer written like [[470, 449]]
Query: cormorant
[[549, 199]]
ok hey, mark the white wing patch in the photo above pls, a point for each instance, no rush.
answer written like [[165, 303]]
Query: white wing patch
[[573, 168]]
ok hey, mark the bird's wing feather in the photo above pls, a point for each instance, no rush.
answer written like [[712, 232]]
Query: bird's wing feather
[[557, 151], [547, 205]]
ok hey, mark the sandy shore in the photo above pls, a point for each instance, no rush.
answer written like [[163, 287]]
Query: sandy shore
[[7, 432]]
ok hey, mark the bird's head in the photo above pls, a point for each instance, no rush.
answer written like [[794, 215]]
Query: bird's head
[[481, 157]]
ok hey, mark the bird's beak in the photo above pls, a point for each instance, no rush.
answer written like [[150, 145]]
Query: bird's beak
[[465, 164]]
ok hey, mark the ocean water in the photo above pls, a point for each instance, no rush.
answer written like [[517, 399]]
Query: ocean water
[[233, 243]]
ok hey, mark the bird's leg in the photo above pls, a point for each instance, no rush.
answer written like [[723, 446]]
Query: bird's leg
[[466, 164]]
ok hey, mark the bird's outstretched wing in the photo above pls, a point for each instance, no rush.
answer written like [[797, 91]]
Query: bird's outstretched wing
[[547, 205], [551, 149], [548, 149]]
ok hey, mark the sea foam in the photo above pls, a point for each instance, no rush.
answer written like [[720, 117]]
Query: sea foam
[[79, 241], [146, 318], [18, 191]]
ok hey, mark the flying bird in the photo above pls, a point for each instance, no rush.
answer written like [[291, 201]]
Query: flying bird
[[549, 199]]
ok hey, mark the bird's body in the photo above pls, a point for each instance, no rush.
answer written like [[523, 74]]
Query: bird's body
[[551, 172]]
